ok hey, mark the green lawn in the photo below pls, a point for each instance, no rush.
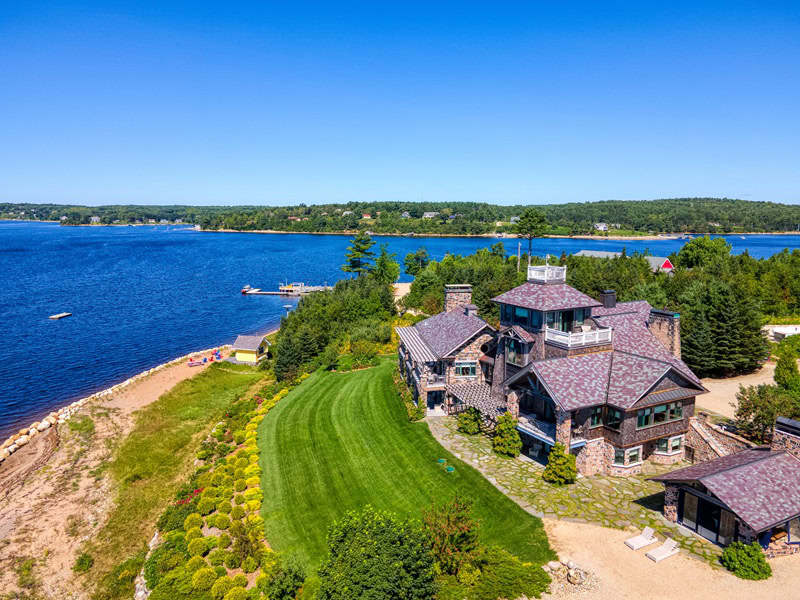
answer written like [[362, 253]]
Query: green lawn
[[341, 441]]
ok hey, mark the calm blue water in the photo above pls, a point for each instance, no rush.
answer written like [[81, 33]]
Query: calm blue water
[[141, 296]]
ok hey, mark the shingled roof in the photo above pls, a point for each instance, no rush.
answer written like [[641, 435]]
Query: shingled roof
[[440, 335], [248, 342], [544, 297], [762, 487]]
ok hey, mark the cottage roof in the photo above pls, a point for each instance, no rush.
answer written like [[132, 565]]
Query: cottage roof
[[546, 297], [249, 342], [440, 335], [762, 487], [639, 307], [656, 262]]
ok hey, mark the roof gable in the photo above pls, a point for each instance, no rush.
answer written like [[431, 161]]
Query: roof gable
[[249, 342], [445, 332], [576, 382]]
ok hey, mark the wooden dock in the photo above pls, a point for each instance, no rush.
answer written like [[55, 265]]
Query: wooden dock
[[60, 316], [290, 289]]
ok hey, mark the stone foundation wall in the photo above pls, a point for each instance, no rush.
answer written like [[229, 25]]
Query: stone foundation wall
[[671, 498], [746, 534], [590, 459], [781, 548], [617, 470], [782, 440]]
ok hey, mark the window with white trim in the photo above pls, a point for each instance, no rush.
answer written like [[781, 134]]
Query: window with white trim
[[633, 456], [670, 445], [465, 369], [619, 457]]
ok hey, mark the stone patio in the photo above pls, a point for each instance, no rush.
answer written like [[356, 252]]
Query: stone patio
[[617, 502]]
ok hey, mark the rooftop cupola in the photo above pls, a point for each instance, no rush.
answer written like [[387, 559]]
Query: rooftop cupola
[[547, 274]]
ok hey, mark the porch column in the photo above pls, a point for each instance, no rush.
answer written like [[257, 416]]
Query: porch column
[[563, 427], [671, 497], [512, 403]]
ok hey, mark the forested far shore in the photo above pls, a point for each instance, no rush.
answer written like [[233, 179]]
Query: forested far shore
[[604, 218]]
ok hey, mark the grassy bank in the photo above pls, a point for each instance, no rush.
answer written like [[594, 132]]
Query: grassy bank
[[341, 441], [157, 455]]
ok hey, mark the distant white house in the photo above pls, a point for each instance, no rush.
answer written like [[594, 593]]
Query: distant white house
[[405, 215], [430, 215], [178, 221], [151, 221], [515, 219], [601, 226], [116, 221], [163, 221], [64, 218], [347, 212], [94, 219], [714, 224]]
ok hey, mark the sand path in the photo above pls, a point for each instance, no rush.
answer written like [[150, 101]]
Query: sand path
[[723, 391], [627, 575], [55, 495]]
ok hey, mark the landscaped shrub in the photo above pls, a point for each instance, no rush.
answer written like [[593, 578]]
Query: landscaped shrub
[[452, 534], [83, 563], [222, 521], [224, 540], [204, 579], [174, 516], [220, 570], [206, 506], [254, 494], [239, 437], [240, 485], [239, 580], [233, 561], [176, 584], [249, 565], [506, 440], [228, 481], [237, 593], [198, 547], [286, 578], [253, 505], [227, 493], [252, 471], [239, 473], [469, 421], [746, 561], [193, 520], [224, 507], [193, 534], [221, 587], [195, 564], [561, 467], [252, 481], [372, 552], [241, 463], [216, 557], [211, 541], [253, 459], [237, 513], [239, 499], [162, 560]]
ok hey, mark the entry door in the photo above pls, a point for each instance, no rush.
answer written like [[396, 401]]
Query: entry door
[[708, 520], [689, 510]]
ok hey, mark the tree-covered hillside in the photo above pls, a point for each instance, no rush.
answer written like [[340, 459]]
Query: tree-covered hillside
[[707, 215]]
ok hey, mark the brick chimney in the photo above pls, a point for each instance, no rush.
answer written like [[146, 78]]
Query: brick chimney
[[787, 436], [608, 298], [666, 326], [457, 295]]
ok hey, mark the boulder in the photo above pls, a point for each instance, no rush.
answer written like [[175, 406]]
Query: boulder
[[571, 564], [32, 433], [43, 425], [555, 565], [545, 568], [6, 444], [576, 576], [12, 448], [52, 420], [23, 431], [22, 441], [5, 454]]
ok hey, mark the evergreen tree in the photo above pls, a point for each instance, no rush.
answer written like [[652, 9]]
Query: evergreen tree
[[415, 262], [386, 268], [506, 440], [697, 343], [469, 421], [359, 254], [532, 224], [561, 466], [787, 375]]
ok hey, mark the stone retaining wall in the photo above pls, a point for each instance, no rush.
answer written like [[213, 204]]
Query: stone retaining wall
[[57, 417]]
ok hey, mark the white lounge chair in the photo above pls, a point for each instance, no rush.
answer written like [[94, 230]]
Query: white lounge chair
[[644, 539], [665, 550]]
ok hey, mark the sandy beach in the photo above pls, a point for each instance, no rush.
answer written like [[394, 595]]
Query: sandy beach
[[627, 575], [53, 495]]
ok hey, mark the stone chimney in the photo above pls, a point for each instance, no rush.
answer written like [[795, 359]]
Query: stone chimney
[[666, 326], [457, 295], [787, 436], [608, 298]]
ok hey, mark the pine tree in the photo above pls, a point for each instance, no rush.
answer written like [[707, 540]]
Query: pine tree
[[787, 376], [386, 268], [506, 440], [359, 255], [532, 224], [697, 343], [561, 466]]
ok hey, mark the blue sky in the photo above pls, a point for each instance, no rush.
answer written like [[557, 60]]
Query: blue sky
[[280, 103]]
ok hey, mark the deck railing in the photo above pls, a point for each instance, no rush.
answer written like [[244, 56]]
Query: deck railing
[[434, 379], [547, 273], [583, 338]]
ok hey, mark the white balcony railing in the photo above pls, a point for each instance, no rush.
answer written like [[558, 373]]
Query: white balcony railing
[[547, 273], [574, 340], [436, 380]]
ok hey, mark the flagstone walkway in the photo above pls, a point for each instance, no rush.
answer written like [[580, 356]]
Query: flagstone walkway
[[618, 502]]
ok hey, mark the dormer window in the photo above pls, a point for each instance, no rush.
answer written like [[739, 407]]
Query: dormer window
[[515, 352]]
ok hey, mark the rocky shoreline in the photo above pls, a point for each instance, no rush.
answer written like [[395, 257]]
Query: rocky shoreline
[[57, 417]]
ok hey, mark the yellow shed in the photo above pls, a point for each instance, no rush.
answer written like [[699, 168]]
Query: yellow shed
[[250, 348]]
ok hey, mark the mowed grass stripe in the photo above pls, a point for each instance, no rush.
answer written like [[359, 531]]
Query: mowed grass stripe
[[341, 441]]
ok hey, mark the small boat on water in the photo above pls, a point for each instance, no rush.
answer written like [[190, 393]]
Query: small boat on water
[[246, 289], [742, 237]]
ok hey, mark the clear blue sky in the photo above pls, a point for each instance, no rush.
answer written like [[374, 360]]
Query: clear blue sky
[[227, 103]]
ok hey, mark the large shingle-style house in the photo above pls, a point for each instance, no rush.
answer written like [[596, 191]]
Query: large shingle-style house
[[750, 495], [603, 378], [443, 350]]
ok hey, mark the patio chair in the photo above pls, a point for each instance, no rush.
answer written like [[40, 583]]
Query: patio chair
[[665, 550], [643, 539]]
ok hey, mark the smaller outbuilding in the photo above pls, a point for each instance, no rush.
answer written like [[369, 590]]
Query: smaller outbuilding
[[251, 348], [657, 263]]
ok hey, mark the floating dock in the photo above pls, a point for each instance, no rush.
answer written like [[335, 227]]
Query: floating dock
[[289, 289], [60, 316]]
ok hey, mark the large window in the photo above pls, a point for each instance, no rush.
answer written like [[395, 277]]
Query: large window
[[634, 456], [613, 418], [656, 415], [580, 316], [514, 352], [465, 369], [536, 319], [506, 314], [520, 316], [554, 320], [669, 445], [596, 416]]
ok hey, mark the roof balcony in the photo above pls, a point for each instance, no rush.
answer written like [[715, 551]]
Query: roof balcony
[[591, 337], [547, 274]]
